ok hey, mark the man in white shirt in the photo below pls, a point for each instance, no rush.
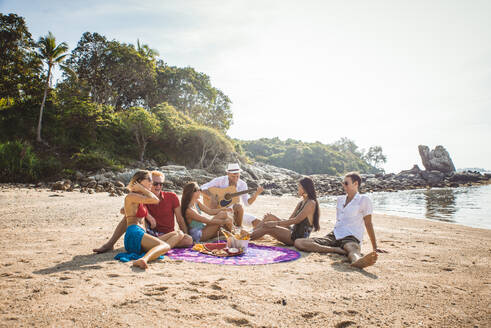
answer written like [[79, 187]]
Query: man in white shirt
[[233, 179], [353, 215]]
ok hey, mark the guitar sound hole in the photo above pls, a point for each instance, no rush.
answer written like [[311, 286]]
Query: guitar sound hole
[[224, 203]]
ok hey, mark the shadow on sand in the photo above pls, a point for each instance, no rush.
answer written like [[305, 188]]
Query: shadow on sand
[[343, 266], [81, 262], [340, 264]]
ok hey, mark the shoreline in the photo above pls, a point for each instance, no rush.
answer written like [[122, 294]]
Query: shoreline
[[431, 277], [32, 187], [392, 203]]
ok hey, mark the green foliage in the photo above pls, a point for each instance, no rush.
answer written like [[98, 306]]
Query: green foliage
[[116, 103], [308, 158], [143, 124], [94, 160], [203, 146], [125, 76], [113, 73], [182, 140], [191, 92], [20, 68], [375, 156], [18, 163], [53, 55], [49, 166]]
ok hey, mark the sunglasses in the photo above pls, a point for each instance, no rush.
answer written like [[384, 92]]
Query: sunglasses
[[195, 190], [155, 184], [345, 183]]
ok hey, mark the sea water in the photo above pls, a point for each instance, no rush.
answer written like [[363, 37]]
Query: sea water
[[469, 206]]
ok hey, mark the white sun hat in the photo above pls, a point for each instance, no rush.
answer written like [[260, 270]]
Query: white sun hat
[[233, 168]]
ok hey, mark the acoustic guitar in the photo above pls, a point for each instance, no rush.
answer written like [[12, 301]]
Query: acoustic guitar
[[226, 196]]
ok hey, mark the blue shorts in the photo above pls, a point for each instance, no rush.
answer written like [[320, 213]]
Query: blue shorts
[[133, 239], [196, 234]]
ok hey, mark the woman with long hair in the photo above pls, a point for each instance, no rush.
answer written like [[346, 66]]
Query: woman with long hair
[[304, 219], [200, 227], [136, 240]]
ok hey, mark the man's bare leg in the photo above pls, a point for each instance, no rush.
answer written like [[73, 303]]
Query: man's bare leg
[[186, 241], [118, 232], [309, 245], [172, 238], [238, 214], [355, 257]]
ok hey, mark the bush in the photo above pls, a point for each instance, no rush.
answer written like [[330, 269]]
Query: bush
[[18, 163], [203, 147], [94, 160], [49, 166]]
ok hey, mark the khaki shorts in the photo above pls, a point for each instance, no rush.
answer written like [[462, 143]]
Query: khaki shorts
[[248, 218], [331, 241]]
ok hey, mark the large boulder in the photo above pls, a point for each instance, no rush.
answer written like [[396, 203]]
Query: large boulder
[[433, 177], [436, 160], [414, 170]]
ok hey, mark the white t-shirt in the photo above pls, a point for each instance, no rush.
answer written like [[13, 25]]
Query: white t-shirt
[[222, 182], [349, 219]]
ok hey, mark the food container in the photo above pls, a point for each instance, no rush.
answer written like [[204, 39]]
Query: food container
[[233, 242], [240, 240], [242, 244]]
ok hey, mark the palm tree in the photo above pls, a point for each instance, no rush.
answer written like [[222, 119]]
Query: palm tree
[[53, 55], [145, 51]]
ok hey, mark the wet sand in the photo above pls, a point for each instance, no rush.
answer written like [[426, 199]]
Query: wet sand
[[435, 275]]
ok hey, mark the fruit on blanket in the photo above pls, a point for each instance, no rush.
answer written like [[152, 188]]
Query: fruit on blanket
[[198, 247]]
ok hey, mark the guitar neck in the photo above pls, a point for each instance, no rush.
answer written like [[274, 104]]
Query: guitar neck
[[235, 194]]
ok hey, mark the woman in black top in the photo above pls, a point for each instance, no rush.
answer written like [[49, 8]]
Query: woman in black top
[[304, 219]]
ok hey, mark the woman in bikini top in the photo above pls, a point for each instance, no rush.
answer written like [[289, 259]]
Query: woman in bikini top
[[304, 219], [136, 240]]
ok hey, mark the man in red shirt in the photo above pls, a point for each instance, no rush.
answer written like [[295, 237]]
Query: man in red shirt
[[160, 216]]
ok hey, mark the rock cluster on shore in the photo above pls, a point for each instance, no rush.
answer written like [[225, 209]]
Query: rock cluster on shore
[[275, 180]]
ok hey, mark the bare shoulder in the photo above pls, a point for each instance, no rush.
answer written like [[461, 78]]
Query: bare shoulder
[[311, 203]]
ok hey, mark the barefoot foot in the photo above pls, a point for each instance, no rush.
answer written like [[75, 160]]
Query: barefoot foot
[[141, 263], [365, 261], [103, 249]]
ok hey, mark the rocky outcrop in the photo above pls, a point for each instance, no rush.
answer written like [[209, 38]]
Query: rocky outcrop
[[436, 160]]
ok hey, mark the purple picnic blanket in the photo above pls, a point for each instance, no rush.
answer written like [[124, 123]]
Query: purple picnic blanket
[[255, 254]]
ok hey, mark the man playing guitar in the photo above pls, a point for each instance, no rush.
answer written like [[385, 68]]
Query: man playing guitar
[[233, 179]]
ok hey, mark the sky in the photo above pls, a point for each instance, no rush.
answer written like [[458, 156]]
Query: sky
[[391, 73]]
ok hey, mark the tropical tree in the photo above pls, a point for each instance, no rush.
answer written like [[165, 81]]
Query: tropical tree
[[88, 60], [20, 67], [52, 55], [145, 51], [144, 126], [375, 156], [191, 93]]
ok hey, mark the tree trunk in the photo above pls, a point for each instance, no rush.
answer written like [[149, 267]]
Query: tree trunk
[[204, 152], [212, 161], [38, 134], [142, 143], [142, 152]]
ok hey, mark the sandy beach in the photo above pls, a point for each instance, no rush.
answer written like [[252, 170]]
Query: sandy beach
[[435, 275]]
